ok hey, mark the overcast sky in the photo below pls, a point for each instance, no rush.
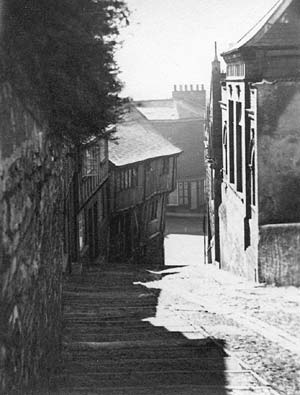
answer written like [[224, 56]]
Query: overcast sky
[[172, 41]]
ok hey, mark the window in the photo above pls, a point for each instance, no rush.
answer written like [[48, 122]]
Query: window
[[82, 230], [90, 161], [153, 209], [165, 166], [93, 157], [102, 150], [126, 178], [239, 158], [118, 181], [231, 143], [225, 138], [134, 177], [183, 193], [252, 168]]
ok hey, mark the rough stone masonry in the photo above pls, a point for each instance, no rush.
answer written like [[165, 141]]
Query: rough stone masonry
[[31, 246]]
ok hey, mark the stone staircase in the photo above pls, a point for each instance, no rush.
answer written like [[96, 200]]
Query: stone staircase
[[109, 348]]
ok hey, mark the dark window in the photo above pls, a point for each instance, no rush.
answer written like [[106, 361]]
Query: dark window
[[231, 142], [122, 183], [252, 168], [183, 193], [118, 181], [153, 209], [225, 145], [127, 178], [239, 157], [253, 186], [165, 166]]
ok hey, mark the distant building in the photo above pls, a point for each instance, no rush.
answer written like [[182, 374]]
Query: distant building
[[181, 120], [259, 214], [142, 174]]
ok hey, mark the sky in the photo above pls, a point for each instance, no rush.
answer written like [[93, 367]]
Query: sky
[[172, 41]]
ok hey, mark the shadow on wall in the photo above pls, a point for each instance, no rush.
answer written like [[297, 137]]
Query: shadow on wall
[[121, 337]]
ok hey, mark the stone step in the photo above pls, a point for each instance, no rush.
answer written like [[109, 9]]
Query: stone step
[[169, 390], [154, 364], [217, 378], [114, 352], [99, 336]]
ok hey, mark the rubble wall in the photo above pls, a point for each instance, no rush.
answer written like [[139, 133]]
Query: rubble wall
[[31, 248], [279, 254]]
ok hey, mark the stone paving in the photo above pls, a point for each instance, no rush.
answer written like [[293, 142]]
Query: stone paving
[[123, 334], [260, 324]]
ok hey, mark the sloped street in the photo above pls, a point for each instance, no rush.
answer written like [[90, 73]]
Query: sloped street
[[137, 330]]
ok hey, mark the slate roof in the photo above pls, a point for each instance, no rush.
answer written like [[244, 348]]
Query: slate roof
[[169, 109], [137, 141], [158, 109], [269, 31]]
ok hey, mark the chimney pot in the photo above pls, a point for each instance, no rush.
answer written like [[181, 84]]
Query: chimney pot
[[175, 88], [202, 87], [185, 87], [191, 86], [197, 87]]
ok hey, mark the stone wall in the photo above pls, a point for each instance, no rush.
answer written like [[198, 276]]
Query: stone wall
[[31, 248], [279, 254], [236, 255], [155, 253], [278, 154]]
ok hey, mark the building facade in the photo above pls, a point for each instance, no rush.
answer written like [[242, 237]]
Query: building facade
[[142, 174], [92, 224], [259, 213], [181, 120], [214, 162]]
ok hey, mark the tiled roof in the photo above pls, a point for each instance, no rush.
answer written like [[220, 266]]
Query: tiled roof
[[269, 31], [137, 141]]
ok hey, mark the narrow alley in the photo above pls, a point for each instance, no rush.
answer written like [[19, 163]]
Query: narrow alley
[[149, 197], [129, 329]]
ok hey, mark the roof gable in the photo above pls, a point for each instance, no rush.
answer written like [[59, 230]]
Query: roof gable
[[137, 141], [279, 27]]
